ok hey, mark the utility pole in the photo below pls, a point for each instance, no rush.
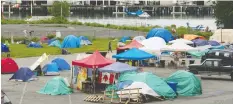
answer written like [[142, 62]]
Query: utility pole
[[31, 7], [61, 9]]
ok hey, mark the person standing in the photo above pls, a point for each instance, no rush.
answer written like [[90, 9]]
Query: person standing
[[110, 46]]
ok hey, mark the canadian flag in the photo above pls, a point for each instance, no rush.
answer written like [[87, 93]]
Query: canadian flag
[[106, 78]]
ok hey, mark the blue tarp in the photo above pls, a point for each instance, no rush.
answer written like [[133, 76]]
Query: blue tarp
[[51, 67], [4, 48], [123, 84], [34, 45], [84, 40], [55, 43], [200, 42], [124, 39], [61, 63], [71, 41], [117, 67], [24, 74], [160, 32], [213, 43], [134, 54]]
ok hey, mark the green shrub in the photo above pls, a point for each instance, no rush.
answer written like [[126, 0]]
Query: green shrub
[[51, 36], [35, 39]]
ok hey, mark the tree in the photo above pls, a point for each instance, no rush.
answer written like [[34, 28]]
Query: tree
[[60, 9], [223, 12]]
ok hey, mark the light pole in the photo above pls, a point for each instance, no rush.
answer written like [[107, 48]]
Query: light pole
[[61, 9], [221, 26]]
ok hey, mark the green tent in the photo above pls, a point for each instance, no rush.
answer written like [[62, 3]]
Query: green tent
[[198, 54], [188, 83], [153, 81], [56, 86], [55, 43]]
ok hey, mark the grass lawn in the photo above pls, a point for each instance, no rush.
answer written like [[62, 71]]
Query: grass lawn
[[21, 50]]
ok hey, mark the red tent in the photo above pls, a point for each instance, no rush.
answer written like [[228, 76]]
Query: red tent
[[96, 60], [133, 44], [8, 65], [43, 39]]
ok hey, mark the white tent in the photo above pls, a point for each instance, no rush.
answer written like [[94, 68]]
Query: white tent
[[227, 35], [145, 90], [181, 41], [153, 45], [139, 38], [179, 47]]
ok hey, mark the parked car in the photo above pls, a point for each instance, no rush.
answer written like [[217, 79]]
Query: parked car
[[212, 66]]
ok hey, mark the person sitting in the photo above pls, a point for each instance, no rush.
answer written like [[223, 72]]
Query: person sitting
[[65, 52]]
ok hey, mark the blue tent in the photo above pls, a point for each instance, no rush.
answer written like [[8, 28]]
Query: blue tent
[[200, 42], [51, 69], [24, 74], [61, 63], [71, 41], [55, 43], [117, 67], [84, 40], [34, 45], [124, 39], [4, 48], [213, 43], [134, 54], [220, 47], [160, 32], [51, 40]]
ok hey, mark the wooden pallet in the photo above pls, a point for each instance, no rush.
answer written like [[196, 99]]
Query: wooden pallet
[[94, 98]]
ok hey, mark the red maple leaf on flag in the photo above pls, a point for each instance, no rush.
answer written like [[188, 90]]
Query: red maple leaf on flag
[[105, 78]]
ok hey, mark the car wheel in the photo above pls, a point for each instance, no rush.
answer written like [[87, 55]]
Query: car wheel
[[193, 71]]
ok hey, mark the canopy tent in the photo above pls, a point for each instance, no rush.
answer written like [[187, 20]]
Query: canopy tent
[[160, 32], [61, 63], [192, 37], [213, 43], [179, 47], [51, 69], [34, 45], [4, 98], [139, 38], [124, 39], [153, 45], [23, 74], [153, 81], [8, 65], [4, 48], [55, 43], [117, 67], [134, 54], [96, 60], [71, 41], [84, 40], [56, 86], [133, 44], [181, 41], [188, 83], [224, 35], [200, 42]]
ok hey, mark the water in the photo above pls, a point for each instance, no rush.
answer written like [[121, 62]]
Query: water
[[120, 19]]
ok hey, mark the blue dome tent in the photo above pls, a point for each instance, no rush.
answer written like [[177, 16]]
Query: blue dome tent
[[23, 74], [55, 43], [4, 48], [84, 40], [71, 41], [124, 39], [34, 45], [160, 32], [51, 40], [213, 43], [61, 63], [200, 42], [51, 69]]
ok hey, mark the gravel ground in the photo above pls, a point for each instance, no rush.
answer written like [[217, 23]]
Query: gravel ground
[[43, 29], [214, 91]]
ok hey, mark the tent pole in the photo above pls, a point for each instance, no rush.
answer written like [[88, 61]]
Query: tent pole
[[71, 81]]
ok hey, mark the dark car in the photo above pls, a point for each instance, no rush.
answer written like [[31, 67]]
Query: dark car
[[212, 66]]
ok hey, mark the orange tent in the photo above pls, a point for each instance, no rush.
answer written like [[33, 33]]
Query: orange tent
[[133, 44], [192, 37]]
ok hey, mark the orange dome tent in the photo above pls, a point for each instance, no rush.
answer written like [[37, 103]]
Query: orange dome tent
[[192, 37]]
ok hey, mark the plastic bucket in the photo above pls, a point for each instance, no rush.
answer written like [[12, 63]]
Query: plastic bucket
[[173, 85]]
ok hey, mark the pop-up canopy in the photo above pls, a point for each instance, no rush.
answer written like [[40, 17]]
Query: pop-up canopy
[[117, 67], [96, 60], [133, 44]]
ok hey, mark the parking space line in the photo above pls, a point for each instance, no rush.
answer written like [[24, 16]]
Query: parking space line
[[70, 102], [21, 99]]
